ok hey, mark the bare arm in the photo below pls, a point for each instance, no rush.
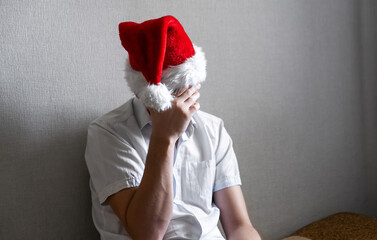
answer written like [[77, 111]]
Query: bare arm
[[146, 211], [233, 214]]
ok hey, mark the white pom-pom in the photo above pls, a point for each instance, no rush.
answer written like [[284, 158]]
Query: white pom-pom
[[157, 97]]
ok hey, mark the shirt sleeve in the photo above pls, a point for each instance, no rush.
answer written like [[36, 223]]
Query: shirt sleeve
[[112, 162], [227, 172]]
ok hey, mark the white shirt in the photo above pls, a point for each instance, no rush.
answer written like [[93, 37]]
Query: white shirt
[[204, 162]]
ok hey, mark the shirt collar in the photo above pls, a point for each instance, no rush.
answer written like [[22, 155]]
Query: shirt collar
[[143, 119], [141, 113]]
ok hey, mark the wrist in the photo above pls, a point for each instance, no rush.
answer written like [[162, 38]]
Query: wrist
[[161, 148], [162, 140]]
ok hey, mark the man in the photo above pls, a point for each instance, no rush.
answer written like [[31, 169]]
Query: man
[[161, 169]]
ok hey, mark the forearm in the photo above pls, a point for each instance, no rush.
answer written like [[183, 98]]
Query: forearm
[[244, 232], [150, 210]]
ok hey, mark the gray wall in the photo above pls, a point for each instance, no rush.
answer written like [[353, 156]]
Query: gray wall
[[294, 81], [369, 77]]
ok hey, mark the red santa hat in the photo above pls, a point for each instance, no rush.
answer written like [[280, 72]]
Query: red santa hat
[[161, 60]]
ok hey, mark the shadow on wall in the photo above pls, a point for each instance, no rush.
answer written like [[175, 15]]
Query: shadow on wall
[[43, 174]]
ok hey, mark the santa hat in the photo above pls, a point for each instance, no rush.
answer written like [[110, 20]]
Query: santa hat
[[161, 60]]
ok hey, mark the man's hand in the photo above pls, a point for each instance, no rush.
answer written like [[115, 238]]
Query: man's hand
[[170, 124]]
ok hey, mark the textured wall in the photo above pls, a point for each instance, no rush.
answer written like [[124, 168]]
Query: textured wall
[[284, 76], [369, 70]]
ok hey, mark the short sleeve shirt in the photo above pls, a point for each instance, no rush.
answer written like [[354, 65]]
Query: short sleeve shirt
[[116, 151]]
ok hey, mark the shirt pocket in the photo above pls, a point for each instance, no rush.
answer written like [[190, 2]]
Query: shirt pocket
[[198, 178]]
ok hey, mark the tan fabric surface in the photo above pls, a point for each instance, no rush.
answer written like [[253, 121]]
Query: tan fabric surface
[[296, 238], [341, 226]]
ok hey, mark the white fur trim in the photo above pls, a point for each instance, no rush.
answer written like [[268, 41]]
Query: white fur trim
[[189, 73], [159, 97], [135, 79]]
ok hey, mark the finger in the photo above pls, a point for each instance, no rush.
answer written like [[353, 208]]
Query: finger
[[179, 92], [191, 100], [190, 91], [195, 107]]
